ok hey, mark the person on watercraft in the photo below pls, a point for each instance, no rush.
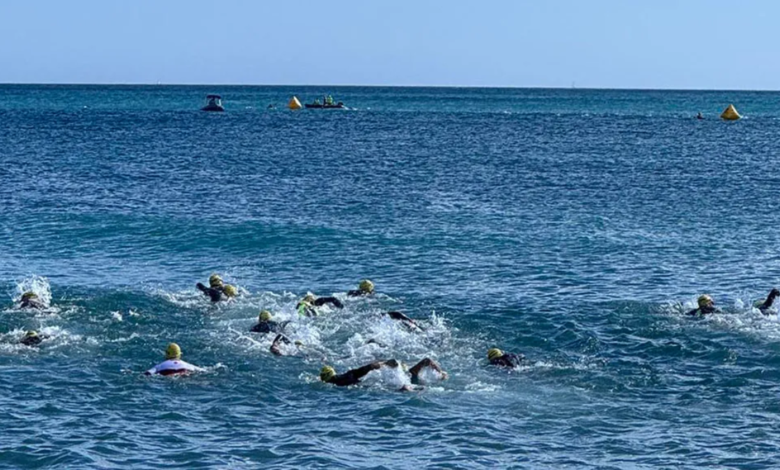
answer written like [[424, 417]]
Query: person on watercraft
[[32, 338], [266, 324], [307, 307], [706, 306], [365, 288], [276, 346], [497, 357], [328, 100], [173, 365], [764, 306], [353, 377], [30, 300], [217, 290], [410, 324]]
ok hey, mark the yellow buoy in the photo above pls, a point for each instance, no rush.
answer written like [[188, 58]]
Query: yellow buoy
[[730, 114], [294, 103]]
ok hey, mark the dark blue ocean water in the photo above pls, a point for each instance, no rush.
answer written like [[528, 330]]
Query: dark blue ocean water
[[574, 226]]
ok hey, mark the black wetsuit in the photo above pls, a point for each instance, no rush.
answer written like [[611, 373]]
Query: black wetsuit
[[32, 303], [31, 340], [269, 326], [508, 360], [319, 302], [407, 322], [215, 293], [353, 376], [701, 311], [359, 293], [764, 308]]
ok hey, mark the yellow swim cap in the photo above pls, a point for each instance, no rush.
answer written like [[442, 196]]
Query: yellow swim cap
[[265, 315], [299, 343], [366, 286], [173, 351], [705, 301], [230, 291], [327, 373], [31, 334], [309, 298], [29, 295], [215, 280], [494, 353]]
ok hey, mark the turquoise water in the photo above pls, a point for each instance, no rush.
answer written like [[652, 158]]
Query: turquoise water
[[574, 226]]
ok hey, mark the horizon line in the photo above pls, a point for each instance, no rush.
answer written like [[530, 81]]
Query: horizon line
[[495, 87]]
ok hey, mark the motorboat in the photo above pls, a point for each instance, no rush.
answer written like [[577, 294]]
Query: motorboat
[[213, 103]]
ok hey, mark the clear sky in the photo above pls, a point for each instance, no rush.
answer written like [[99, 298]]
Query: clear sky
[[541, 43]]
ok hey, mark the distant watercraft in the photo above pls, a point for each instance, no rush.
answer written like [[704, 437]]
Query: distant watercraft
[[214, 103], [327, 103]]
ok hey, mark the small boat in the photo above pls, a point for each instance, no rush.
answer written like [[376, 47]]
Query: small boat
[[316, 105], [213, 103], [326, 103]]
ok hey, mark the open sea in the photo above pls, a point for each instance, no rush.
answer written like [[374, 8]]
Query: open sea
[[573, 226]]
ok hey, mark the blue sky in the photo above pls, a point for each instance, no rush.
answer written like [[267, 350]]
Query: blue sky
[[543, 43]]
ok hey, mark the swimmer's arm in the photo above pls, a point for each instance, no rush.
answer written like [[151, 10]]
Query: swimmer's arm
[[770, 299], [693, 312], [328, 300], [275, 345], [408, 321], [361, 372]]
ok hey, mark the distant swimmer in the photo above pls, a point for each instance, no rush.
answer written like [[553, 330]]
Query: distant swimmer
[[700, 115], [764, 306], [217, 289], [266, 324], [365, 288], [31, 300], [307, 307], [706, 306], [410, 324], [32, 338], [497, 357], [353, 377], [173, 365], [276, 346]]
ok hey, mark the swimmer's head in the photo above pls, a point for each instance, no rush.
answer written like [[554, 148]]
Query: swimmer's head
[[705, 301], [215, 281], [494, 353], [230, 291], [366, 286], [265, 315], [327, 373], [299, 343], [31, 334], [309, 298], [173, 352], [29, 295]]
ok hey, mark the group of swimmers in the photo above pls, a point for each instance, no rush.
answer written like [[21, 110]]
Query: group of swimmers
[[308, 306]]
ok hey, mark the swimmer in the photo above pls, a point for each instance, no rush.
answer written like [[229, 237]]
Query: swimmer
[[30, 300], [700, 115], [497, 357], [217, 290], [764, 306], [365, 288], [307, 306], [353, 377], [706, 306], [410, 324], [276, 345], [173, 365], [32, 338], [266, 324]]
